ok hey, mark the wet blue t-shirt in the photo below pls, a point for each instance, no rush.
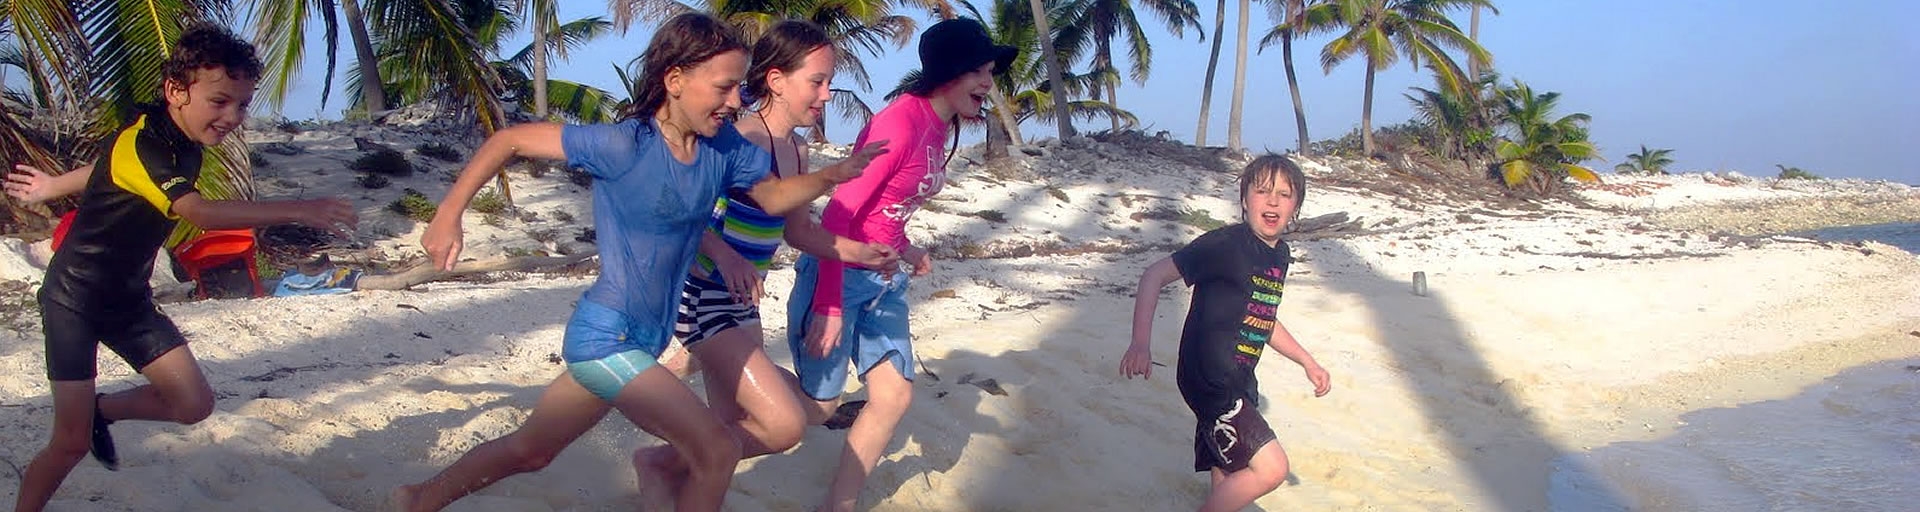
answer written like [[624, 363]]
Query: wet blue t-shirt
[[650, 209]]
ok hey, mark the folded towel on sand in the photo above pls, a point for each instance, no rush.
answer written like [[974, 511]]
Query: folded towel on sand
[[339, 280]]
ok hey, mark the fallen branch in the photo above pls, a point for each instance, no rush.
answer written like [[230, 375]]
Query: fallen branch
[[426, 273]]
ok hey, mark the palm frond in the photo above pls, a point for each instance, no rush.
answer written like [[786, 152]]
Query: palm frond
[[281, 38], [56, 39], [130, 41], [581, 102]]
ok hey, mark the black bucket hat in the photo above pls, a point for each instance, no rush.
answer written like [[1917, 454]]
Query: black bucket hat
[[954, 47]]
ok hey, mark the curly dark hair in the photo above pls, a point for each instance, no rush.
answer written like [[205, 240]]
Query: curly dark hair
[[209, 46]]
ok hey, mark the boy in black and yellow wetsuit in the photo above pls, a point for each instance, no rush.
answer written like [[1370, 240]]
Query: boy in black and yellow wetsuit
[[96, 289]]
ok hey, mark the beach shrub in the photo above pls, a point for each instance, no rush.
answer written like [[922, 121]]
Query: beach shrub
[[414, 205], [383, 161], [994, 216], [1795, 173], [373, 181], [438, 151], [1200, 219], [489, 202], [1058, 194]]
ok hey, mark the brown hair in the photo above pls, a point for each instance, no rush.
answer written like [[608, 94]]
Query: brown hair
[[208, 46], [681, 43], [783, 47]]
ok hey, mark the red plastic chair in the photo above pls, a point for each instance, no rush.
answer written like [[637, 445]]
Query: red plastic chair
[[210, 249], [215, 248]]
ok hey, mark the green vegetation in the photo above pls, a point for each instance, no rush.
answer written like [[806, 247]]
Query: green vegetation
[[1647, 161], [1795, 173], [383, 161], [438, 151], [413, 205]]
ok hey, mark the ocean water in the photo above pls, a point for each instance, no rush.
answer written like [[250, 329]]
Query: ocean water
[[1849, 443], [1905, 235]]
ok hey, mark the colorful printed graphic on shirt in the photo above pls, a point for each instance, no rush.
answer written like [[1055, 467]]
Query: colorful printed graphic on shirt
[[1257, 326]]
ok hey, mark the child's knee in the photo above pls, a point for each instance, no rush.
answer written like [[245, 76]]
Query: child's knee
[[715, 451], [70, 445], [193, 411], [528, 455]]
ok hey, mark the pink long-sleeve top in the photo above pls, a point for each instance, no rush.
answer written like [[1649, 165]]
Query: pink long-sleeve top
[[874, 208]]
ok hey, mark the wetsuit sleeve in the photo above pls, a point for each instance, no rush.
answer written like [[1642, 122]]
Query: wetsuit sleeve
[[853, 204], [152, 169], [1203, 259], [605, 151]]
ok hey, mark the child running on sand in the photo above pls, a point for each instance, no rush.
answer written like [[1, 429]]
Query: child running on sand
[[793, 67], [1237, 274], [96, 289], [656, 177], [844, 314]]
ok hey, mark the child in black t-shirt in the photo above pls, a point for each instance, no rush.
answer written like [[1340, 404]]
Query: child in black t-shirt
[[1237, 273]]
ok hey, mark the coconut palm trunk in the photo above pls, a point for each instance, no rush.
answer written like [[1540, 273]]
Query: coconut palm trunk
[[370, 85], [1473, 32], [1293, 86], [1366, 116], [1213, 62], [1062, 116], [1239, 77], [540, 41]]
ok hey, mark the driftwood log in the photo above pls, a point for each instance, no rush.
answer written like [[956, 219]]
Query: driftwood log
[[425, 273]]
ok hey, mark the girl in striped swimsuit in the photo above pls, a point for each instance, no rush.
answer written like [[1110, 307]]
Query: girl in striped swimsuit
[[719, 323]]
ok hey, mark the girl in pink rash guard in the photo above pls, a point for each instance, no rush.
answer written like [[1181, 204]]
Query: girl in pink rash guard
[[841, 314]]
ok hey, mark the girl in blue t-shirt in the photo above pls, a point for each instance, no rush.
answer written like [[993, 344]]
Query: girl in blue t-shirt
[[656, 177]]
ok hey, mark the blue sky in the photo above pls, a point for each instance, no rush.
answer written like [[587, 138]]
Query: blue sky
[[1825, 86]]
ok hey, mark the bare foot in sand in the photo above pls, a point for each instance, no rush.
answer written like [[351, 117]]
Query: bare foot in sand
[[660, 476], [401, 500]]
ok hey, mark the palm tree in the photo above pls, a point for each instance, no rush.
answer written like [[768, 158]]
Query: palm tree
[[572, 100], [1647, 161], [1296, 22], [1055, 76], [1541, 149], [1383, 29], [1213, 62], [544, 19], [280, 33], [1239, 77], [1105, 20], [1462, 123]]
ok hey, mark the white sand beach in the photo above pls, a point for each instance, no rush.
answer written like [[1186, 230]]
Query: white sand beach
[[1567, 357]]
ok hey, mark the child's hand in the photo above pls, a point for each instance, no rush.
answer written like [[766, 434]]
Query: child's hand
[[823, 333], [855, 163], [442, 241], [879, 257], [1138, 361], [334, 215], [1321, 382], [743, 279], [28, 184], [921, 260]]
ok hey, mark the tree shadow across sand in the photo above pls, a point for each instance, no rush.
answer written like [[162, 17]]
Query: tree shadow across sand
[[1845, 443], [410, 345]]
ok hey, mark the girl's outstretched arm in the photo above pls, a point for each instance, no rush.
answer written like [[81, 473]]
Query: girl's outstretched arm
[[1146, 299], [533, 140]]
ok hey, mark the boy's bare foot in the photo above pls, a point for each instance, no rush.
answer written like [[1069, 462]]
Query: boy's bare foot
[[401, 500], [659, 476]]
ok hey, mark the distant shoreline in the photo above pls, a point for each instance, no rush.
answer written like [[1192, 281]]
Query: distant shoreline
[[1791, 215]]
